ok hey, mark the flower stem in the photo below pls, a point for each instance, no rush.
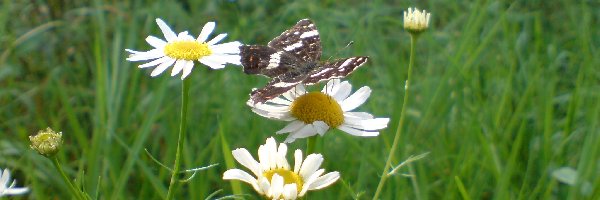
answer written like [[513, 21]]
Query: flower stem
[[181, 137], [384, 174], [75, 192], [311, 142]]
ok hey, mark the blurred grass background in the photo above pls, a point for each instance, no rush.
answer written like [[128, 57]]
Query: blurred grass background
[[504, 94]]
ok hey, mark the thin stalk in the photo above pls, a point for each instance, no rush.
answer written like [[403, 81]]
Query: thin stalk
[[181, 138], [66, 179], [388, 163]]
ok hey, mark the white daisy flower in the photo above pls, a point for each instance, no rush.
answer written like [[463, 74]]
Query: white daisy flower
[[312, 113], [6, 189], [416, 21], [181, 50], [273, 176]]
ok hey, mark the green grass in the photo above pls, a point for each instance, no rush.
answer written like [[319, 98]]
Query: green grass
[[503, 95]]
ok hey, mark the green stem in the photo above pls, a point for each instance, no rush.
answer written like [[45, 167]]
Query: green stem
[[310, 144], [182, 124], [384, 175], [66, 179]]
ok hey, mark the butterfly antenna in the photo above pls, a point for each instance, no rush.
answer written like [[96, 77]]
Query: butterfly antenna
[[340, 50]]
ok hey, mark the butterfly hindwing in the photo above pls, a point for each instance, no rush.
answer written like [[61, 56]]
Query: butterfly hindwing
[[274, 88], [336, 69], [301, 40]]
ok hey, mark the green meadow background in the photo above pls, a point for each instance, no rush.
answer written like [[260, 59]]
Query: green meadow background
[[505, 94]]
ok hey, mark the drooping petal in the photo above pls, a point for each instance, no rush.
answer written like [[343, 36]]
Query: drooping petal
[[291, 127], [357, 132], [187, 69], [179, 64], [367, 124], [324, 181], [212, 63], [162, 67], [155, 62], [321, 127]]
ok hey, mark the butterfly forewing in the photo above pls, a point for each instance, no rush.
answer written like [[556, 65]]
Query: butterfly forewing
[[336, 69], [264, 60], [301, 40]]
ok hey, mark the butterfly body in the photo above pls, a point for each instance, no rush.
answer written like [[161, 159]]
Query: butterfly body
[[293, 58]]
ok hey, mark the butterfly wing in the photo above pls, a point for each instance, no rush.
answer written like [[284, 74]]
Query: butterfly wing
[[264, 60], [301, 40], [276, 87], [336, 69]]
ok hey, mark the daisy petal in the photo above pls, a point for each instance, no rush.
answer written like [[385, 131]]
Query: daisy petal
[[276, 186], [324, 180], [212, 63], [162, 67], [206, 30], [311, 165], [297, 160], [306, 131], [155, 42], [179, 64], [155, 62], [227, 48], [356, 132], [341, 92], [217, 39], [243, 157], [291, 127], [290, 191], [166, 30], [187, 69], [237, 174], [356, 99], [321, 127], [148, 55], [367, 124], [358, 115]]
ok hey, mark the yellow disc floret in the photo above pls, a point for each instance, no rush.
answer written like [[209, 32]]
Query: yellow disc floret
[[187, 50], [317, 106], [289, 177]]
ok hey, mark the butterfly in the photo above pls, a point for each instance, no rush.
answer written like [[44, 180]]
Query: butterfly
[[293, 58]]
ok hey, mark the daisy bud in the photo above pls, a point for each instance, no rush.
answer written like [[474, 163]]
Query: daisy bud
[[46, 142], [416, 21]]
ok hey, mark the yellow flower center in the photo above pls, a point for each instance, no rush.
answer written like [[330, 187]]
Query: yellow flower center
[[187, 50], [317, 106], [289, 177]]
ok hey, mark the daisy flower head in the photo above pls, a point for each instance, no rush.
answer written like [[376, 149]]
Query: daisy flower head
[[9, 189], [416, 21], [273, 176], [181, 50], [311, 113]]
